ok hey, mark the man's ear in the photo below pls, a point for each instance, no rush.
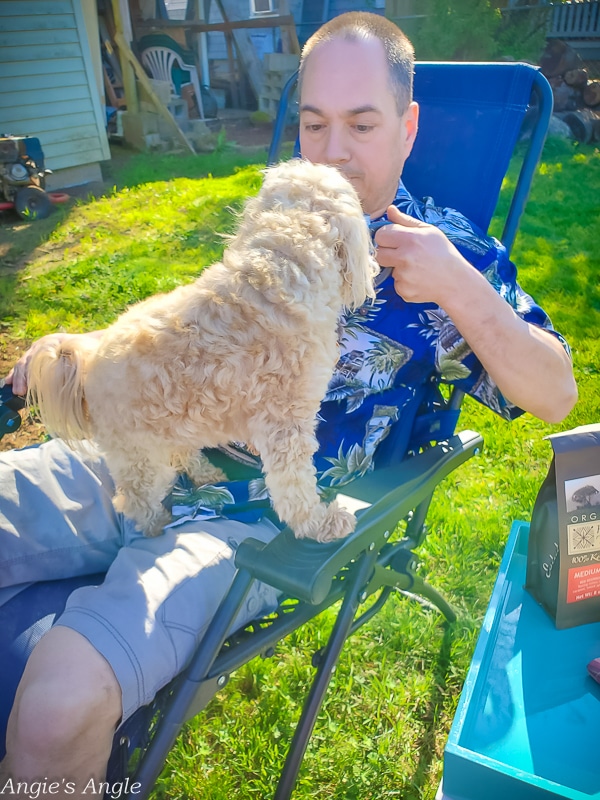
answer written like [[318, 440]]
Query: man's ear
[[411, 124]]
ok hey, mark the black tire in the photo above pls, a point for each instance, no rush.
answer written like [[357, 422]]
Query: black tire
[[32, 203]]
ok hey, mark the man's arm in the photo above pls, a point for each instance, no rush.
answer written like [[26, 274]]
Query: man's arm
[[528, 364], [18, 374]]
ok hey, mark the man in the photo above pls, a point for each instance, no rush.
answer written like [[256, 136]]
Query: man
[[96, 666]]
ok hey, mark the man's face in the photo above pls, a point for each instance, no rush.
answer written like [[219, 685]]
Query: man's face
[[349, 119]]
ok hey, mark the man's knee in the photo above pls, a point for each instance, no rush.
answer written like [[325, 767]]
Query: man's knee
[[68, 691]]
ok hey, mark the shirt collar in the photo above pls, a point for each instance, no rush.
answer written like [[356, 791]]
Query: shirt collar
[[402, 200]]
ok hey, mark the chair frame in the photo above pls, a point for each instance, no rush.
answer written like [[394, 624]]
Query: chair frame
[[310, 572], [313, 576], [351, 571]]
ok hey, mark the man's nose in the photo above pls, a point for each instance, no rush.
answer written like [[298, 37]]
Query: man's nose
[[336, 148]]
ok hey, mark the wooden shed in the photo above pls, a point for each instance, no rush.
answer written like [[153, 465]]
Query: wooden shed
[[51, 84]]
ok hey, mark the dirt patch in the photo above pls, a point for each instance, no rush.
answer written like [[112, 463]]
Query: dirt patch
[[243, 132]]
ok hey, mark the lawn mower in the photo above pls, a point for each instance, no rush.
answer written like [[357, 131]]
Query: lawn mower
[[22, 178]]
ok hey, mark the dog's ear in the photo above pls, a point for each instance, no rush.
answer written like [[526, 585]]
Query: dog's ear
[[354, 251]]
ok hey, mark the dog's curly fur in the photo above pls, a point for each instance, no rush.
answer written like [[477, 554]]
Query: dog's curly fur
[[244, 353]]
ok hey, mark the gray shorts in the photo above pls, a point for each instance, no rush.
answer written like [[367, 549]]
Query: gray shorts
[[57, 520]]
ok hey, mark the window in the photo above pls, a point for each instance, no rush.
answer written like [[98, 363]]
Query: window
[[259, 7], [175, 8]]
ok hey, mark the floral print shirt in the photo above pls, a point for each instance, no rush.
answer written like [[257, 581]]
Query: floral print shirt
[[389, 350]]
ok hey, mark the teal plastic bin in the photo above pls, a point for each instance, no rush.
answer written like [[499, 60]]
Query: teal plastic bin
[[528, 722]]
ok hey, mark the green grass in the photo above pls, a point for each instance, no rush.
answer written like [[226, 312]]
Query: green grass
[[383, 728], [142, 239]]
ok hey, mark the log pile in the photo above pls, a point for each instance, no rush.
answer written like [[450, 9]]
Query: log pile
[[576, 94]]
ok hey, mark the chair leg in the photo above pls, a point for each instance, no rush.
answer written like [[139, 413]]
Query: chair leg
[[415, 530], [423, 589], [403, 576], [339, 634], [169, 726]]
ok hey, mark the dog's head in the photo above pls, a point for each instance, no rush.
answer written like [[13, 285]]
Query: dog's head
[[315, 204]]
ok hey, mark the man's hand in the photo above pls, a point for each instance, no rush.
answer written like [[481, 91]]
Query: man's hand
[[427, 268], [18, 374], [527, 363]]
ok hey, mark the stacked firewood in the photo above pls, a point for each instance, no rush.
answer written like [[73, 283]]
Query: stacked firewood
[[576, 94]]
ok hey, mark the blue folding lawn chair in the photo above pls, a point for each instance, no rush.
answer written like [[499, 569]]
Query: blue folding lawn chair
[[471, 117]]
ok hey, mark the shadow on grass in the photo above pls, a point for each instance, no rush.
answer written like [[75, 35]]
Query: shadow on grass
[[128, 168], [436, 700], [19, 238]]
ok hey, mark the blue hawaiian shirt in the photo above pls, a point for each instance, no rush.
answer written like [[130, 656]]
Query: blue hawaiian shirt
[[391, 351]]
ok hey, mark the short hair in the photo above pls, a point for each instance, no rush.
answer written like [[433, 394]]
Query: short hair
[[356, 25]]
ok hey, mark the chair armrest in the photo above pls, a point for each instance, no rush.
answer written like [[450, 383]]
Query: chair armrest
[[305, 569]]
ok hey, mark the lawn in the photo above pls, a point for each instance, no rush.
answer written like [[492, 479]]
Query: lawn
[[383, 728]]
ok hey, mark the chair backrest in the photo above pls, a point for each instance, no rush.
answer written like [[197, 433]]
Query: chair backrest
[[471, 117], [159, 61]]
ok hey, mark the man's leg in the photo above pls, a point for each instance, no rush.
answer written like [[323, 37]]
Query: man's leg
[[145, 620], [56, 515], [67, 708], [57, 520]]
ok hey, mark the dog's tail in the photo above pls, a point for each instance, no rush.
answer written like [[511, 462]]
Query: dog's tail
[[56, 381]]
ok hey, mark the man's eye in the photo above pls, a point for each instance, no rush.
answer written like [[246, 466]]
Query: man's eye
[[364, 128], [314, 127]]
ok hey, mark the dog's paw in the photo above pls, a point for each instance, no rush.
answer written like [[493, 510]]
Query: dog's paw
[[157, 526], [150, 522], [335, 523], [201, 471]]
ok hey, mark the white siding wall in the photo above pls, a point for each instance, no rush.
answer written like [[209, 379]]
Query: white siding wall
[[47, 83]]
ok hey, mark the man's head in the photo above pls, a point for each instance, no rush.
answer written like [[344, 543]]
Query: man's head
[[359, 25], [356, 109]]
